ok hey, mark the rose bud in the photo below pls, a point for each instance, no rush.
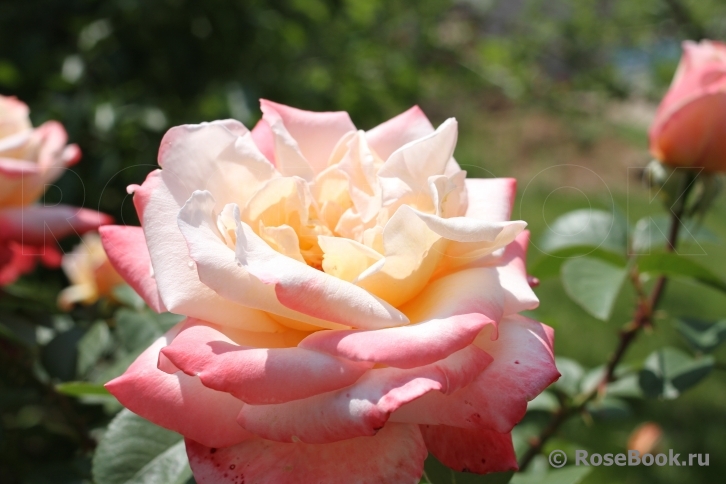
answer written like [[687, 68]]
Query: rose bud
[[690, 125]]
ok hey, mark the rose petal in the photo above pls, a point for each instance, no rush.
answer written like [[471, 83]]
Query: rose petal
[[174, 270], [219, 270], [403, 347], [364, 407], [471, 291], [316, 134], [497, 399], [463, 450], [393, 456], [404, 176], [38, 225], [490, 199], [178, 402], [258, 375], [411, 252], [310, 291], [126, 249], [398, 131], [518, 294], [263, 138]]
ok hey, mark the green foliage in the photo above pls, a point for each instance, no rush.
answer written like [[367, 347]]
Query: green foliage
[[593, 284], [679, 266], [135, 451], [543, 475], [703, 336], [650, 233], [438, 473], [668, 372]]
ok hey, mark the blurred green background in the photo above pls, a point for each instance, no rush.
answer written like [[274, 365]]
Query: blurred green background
[[557, 93]]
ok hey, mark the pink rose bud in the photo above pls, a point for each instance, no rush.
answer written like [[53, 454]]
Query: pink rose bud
[[690, 125]]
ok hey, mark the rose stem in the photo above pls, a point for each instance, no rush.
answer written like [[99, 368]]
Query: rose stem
[[643, 316]]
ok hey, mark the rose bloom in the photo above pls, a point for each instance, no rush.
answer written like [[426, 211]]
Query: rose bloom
[[352, 301], [91, 274], [30, 159], [690, 126]]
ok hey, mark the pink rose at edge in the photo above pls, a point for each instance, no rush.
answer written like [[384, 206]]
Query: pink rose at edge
[[352, 301], [690, 126], [31, 158]]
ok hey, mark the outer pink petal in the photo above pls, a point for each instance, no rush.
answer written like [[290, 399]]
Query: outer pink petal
[[258, 375], [316, 134], [12, 168], [393, 456], [478, 451], [396, 132], [363, 408], [497, 399], [178, 402], [15, 261], [403, 347], [126, 249], [490, 199], [518, 295], [264, 139], [38, 225]]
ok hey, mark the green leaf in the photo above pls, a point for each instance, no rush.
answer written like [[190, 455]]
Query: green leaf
[[60, 355], [438, 473], [668, 372], [609, 409], [586, 228], [704, 336], [135, 451], [593, 284], [544, 402], [566, 475], [571, 373], [550, 265], [675, 265], [652, 232], [625, 387], [126, 295], [138, 329], [92, 346], [81, 388]]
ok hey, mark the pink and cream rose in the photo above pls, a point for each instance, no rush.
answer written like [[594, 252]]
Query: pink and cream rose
[[30, 159], [690, 126], [352, 301]]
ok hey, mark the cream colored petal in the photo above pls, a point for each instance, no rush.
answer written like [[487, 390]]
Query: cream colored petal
[[281, 201], [345, 258], [404, 176], [412, 252], [77, 293], [449, 194], [288, 157], [283, 239], [331, 191], [361, 164]]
